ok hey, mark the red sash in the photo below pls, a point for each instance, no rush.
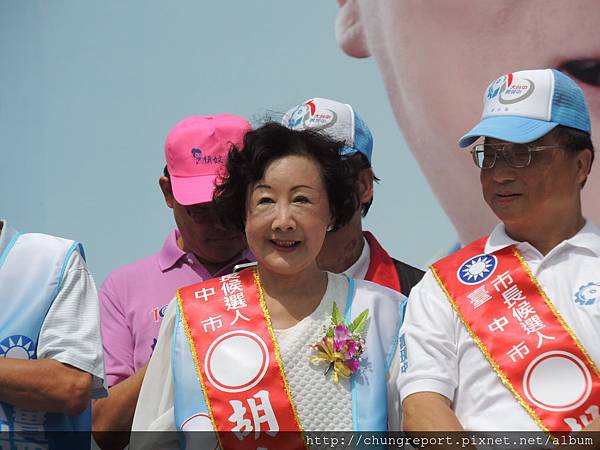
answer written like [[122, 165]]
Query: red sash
[[522, 335], [381, 267], [238, 363]]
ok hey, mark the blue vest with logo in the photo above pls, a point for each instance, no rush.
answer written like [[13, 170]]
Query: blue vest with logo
[[32, 267], [369, 384]]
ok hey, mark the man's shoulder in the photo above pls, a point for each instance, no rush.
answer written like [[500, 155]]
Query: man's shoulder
[[130, 272], [45, 250], [366, 286], [45, 242], [147, 262], [483, 245], [409, 276], [400, 265]]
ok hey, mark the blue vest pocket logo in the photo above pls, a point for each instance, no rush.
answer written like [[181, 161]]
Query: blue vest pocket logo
[[17, 346]]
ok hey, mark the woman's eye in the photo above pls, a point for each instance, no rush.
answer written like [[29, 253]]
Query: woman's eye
[[301, 199], [264, 200]]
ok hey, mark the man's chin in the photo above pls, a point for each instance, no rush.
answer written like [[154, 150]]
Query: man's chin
[[225, 240], [226, 259]]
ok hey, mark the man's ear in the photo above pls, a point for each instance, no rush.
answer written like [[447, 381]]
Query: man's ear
[[167, 190], [584, 165], [349, 31], [365, 185]]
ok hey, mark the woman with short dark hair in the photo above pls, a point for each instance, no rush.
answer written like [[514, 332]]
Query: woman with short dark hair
[[283, 346], [274, 141]]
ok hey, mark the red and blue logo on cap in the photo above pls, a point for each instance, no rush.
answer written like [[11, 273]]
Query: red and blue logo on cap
[[338, 120], [509, 90], [307, 116], [524, 106]]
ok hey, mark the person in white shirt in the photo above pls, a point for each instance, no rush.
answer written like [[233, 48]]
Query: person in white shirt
[[51, 360], [432, 56], [350, 249], [493, 331]]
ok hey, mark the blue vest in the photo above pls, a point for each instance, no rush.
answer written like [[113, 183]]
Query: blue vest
[[369, 384], [32, 267]]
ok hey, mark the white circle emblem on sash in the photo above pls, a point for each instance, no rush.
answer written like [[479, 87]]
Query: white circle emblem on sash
[[540, 382], [477, 269], [236, 361]]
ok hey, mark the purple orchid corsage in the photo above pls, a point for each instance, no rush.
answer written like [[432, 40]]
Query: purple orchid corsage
[[342, 346]]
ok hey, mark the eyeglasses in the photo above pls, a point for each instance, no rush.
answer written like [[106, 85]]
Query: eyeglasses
[[515, 155]]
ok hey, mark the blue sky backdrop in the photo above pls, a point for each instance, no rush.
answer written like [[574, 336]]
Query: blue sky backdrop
[[89, 91]]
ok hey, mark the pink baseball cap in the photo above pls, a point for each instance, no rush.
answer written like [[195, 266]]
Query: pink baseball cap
[[196, 151]]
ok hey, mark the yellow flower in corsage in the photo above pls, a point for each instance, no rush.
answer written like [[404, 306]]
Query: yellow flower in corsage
[[342, 346]]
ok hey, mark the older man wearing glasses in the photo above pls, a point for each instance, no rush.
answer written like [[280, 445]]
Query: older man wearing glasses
[[133, 298], [503, 334]]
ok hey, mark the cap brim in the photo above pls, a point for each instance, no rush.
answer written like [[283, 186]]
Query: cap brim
[[193, 190], [508, 128]]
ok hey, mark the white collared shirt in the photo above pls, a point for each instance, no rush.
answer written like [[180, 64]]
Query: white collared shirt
[[443, 358], [359, 269]]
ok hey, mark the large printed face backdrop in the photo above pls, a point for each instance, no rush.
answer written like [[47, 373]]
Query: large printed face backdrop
[[89, 91], [437, 61]]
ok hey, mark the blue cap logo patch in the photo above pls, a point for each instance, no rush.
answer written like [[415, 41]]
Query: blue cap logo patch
[[494, 87], [587, 294], [477, 269]]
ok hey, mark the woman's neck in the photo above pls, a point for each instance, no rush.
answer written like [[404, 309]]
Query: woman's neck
[[291, 298]]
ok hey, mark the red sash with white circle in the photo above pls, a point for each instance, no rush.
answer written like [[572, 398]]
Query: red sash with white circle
[[238, 363], [522, 335]]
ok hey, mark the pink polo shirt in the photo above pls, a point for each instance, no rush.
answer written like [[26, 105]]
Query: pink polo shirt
[[133, 299]]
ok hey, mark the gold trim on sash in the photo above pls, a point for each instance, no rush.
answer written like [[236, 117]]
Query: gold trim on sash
[[557, 314], [190, 341], [263, 305], [487, 354], [516, 378], [257, 309]]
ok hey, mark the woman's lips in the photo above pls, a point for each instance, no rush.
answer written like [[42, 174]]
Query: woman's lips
[[285, 244]]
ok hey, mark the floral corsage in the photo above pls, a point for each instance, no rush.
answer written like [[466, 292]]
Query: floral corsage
[[342, 346]]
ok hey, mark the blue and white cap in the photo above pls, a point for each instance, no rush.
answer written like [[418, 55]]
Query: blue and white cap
[[523, 106], [338, 120]]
